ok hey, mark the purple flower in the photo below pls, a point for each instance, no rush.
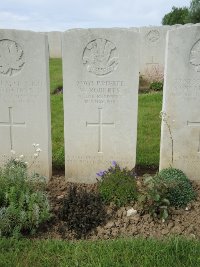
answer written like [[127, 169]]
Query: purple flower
[[101, 173], [114, 163]]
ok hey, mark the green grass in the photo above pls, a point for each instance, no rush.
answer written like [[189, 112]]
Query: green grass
[[117, 253], [55, 73], [148, 143], [57, 125]]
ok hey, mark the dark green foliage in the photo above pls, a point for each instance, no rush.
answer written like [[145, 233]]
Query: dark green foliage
[[194, 11], [82, 211], [156, 86], [170, 187], [118, 186], [176, 16], [22, 207], [153, 197], [180, 190]]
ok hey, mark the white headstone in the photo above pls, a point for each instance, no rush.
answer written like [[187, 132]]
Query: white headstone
[[54, 39], [181, 102], [24, 98], [152, 52], [101, 72]]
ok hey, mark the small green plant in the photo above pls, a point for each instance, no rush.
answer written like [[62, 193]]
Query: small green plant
[[156, 86], [168, 188], [23, 208], [153, 197], [82, 210], [180, 190], [117, 185]]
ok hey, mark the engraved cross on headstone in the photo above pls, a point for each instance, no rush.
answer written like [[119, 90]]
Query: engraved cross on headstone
[[100, 125], [11, 124], [195, 124]]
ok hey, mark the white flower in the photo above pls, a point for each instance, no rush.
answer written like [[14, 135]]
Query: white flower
[[26, 162], [17, 160], [38, 150], [12, 152], [21, 156], [35, 155], [37, 145], [34, 144]]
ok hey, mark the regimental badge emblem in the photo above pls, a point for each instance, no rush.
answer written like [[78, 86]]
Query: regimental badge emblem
[[11, 57], [195, 56], [100, 57], [153, 36]]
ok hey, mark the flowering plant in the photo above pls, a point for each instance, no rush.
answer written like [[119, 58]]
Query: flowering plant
[[19, 160], [117, 185], [24, 205]]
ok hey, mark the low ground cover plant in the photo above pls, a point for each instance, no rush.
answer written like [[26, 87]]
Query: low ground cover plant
[[82, 211], [155, 194], [169, 188], [117, 185], [153, 197], [23, 207], [180, 191]]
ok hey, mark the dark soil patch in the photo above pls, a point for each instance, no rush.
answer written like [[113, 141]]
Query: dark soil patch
[[58, 90], [141, 170], [182, 222]]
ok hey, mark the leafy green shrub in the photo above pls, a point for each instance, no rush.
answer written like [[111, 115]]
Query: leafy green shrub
[[82, 211], [152, 197], [117, 185], [22, 206], [170, 187], [180, 190], [156, 86]]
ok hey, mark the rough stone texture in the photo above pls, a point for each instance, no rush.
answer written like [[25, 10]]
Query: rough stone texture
[[54, 39], [100, 71], [24, 98], [131, 212], [181, 102], [152, 50]]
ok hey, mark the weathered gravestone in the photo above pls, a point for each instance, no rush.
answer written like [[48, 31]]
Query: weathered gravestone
[[54, 39], [181, 108], [101, 70], [24, 98], [152, 52]]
